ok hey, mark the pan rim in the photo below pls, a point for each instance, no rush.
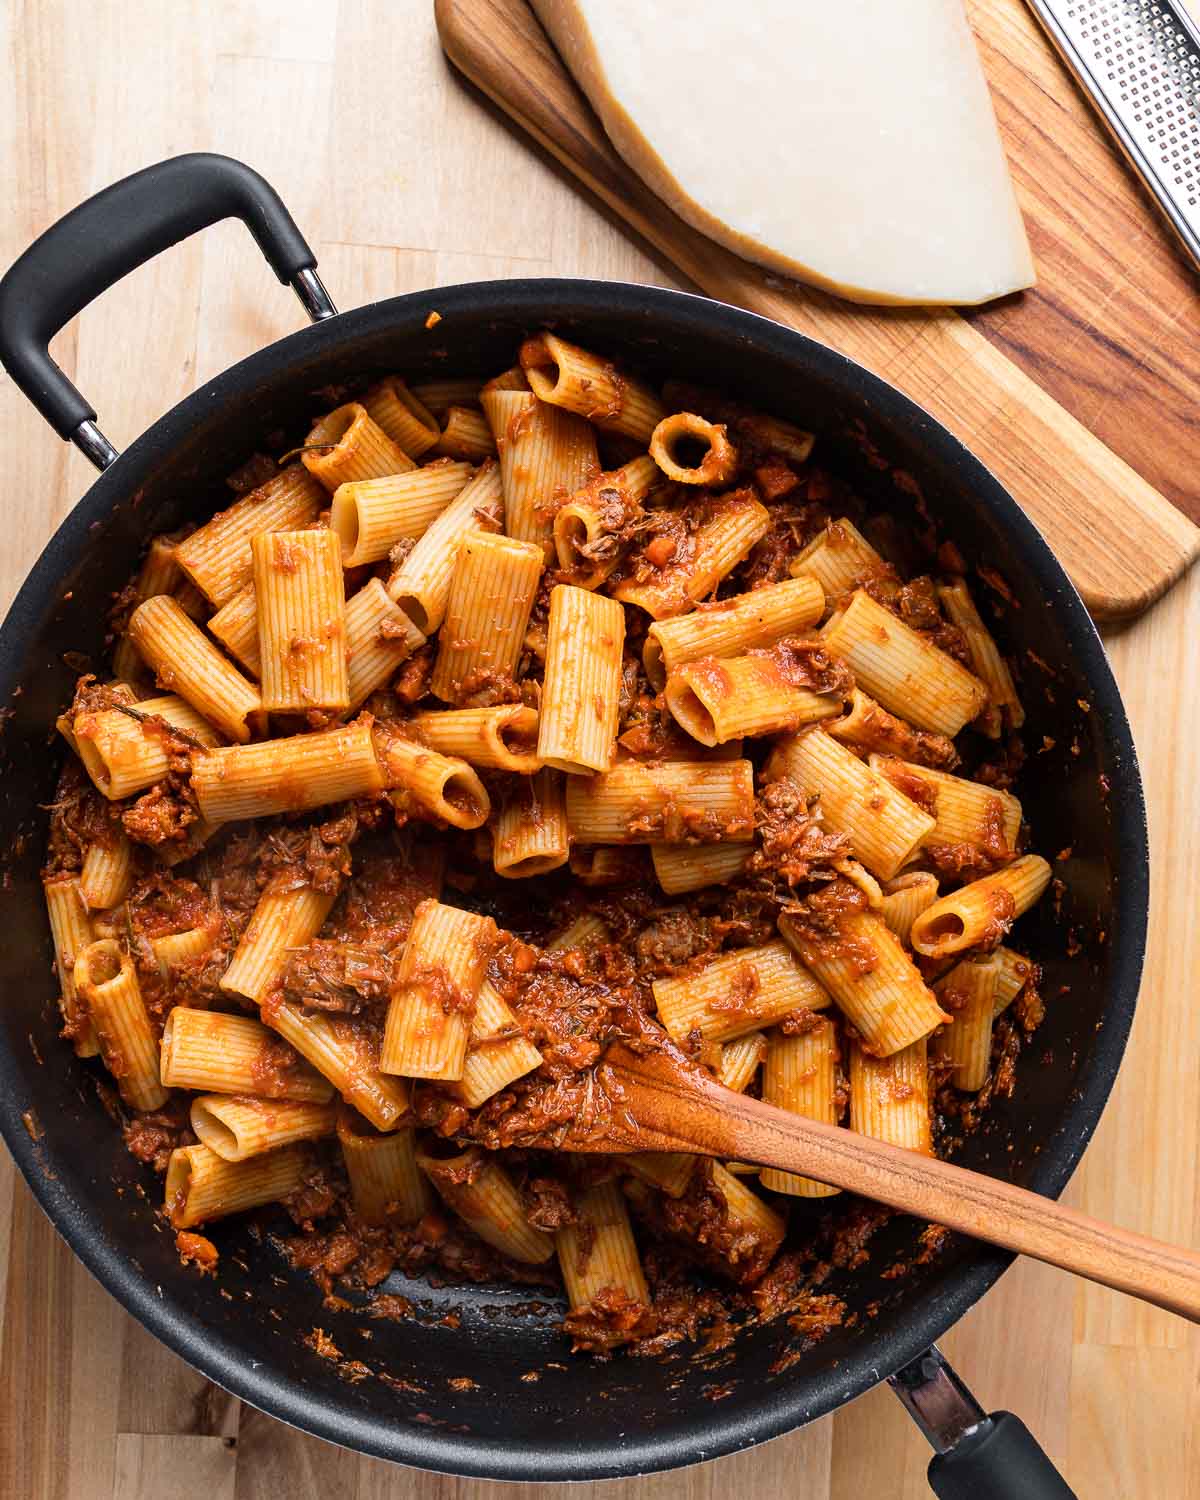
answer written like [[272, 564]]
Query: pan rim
[[213, 1354]]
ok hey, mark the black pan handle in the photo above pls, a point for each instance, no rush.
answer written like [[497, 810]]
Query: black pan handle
[[112, 234], [1000, 1459], [978, 1456]]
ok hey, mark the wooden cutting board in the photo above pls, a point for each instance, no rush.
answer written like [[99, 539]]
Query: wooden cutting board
[[1082, 396]]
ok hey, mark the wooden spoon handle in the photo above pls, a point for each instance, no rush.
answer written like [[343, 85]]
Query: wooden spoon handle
[[681, 1114]]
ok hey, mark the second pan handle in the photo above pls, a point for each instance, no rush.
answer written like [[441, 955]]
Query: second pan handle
[[113, 233]]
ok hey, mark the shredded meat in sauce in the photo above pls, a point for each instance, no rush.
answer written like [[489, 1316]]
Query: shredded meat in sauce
[[709, 1267]]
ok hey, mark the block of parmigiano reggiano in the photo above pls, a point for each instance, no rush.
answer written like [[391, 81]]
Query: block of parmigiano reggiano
[[847, 142]]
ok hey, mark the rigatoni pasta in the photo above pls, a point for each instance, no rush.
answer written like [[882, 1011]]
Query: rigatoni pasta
[[346, 445], [433, 999], [883, 825], [369, 516], [107, 982], [456, 787], [565, 375], [903, 669], [183, 659], [800, 1075], [577, 729], [420, 585], [217, 558], [669, 802], [739, 992], [491, 595], [546, 454], [889, 1096], [982, 911], [216, 1052], [732, 626], [301, 603]]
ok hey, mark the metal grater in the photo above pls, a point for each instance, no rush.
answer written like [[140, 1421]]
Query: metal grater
[[1139, 63]]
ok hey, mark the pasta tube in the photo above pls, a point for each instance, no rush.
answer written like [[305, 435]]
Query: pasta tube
[[566, 375], [421, 584], [968, 992], [491, 595], [301, 601], [546, 454], [668, 1171], [597, 1253], [679, 436], [379, 637], [588, 527], [183, 659], [986, 662], [584, 932], [720, 700], [966, 812], [444, 786], [293, 774], [888, 1002], [122, 749], [530, 833], [839, 559], [740, 1061], [889, 1097], [371, 515], [682, 868], [498, 1051], [346, 1052], [732, 626], [466, 434], [478, 1189], [345, 445], [108, 983], [71, 933], [235, 625], [433, 999], [402, 416], [1012, 975], [730, 527], [217, 556], [577, 731], [982, 911], [904, 670], [904, 899], [800, 1075], [288, 916], [385, 1181], [737, 993], [218, 1053], [666, 802], [239, 1127], [504, 738], [438, 396], [107, 871], [868, 726], [883, 825], [202, 1185]]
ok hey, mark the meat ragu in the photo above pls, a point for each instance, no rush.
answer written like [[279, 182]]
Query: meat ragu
[[260, 864]]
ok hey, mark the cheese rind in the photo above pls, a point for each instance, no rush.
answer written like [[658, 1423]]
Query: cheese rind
[[851, 145]]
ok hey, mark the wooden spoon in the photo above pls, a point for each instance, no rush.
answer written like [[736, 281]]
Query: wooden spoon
[[657, 1101]]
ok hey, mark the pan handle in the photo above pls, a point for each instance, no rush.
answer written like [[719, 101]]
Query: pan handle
[[112, 234], [978, 1456]]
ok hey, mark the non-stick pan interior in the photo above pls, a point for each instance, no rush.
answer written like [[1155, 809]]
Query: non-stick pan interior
[[531, 1409]]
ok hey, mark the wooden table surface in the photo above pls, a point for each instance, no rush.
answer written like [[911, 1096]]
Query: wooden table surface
[[402, 179]]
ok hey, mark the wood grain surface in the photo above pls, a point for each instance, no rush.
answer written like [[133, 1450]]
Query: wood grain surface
[[402, 179], [1119, 540]]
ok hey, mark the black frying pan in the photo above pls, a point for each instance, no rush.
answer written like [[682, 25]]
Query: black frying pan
[[579, 1419]]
